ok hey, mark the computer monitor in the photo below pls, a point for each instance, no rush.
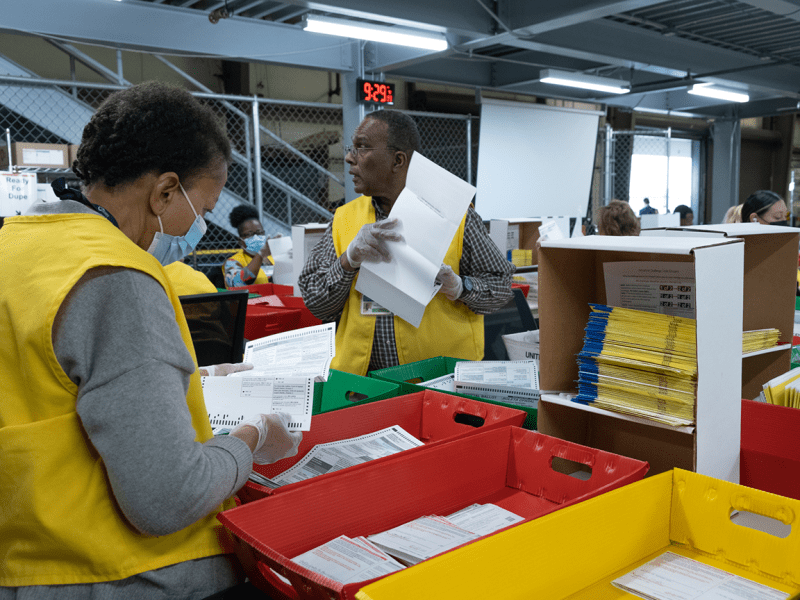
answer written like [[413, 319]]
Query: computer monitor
[[216, 323], [514, 317]]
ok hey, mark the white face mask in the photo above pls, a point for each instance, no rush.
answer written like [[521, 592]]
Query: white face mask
[[171, 248]]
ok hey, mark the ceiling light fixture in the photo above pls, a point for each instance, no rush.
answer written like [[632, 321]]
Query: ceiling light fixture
[[705, 89], [586, 82], [375, 33]]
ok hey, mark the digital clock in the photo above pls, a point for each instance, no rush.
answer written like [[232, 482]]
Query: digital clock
[[375, 92]]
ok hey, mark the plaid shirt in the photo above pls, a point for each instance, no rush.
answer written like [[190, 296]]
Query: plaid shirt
[[325, 285]]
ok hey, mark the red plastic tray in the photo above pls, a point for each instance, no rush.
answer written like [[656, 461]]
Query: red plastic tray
[[770, 455], [525, 287], [306, 318], [429, 416], [267, 289], [509, 466], [263, 320]]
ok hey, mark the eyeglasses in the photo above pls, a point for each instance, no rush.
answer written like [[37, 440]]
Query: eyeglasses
[[356, 150]]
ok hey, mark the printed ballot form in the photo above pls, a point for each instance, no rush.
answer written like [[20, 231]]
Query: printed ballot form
[[667, 288], [231, 400], [511, 381], [305, 352], [430, 209], [674, 577], [348, 560], [332, 456]]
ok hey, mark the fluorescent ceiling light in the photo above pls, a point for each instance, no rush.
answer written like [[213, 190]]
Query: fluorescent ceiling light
[[375, 33], [586, 82], [705, 89]]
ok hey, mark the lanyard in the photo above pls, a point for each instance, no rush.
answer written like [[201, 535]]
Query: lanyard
[[64, 193]]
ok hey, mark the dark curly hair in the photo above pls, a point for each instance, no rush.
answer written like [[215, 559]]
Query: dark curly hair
[[403, 132], [242, 213], [151, 127]]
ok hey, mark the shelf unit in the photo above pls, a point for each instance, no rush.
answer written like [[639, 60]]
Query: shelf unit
[[572, 276], [770, 276]]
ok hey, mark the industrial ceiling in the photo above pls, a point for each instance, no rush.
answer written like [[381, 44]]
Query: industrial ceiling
[[661, 48]]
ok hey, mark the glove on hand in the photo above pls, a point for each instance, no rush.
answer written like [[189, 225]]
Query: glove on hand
[[452, 286], [369, 244], [224, 369], [275, 441]]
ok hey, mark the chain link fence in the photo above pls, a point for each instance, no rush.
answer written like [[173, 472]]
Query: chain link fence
[[290, 166], [650, 164]]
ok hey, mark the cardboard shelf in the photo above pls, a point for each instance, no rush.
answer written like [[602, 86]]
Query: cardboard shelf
[[778, 348], [689, 430], [572, 276], [769, 290]]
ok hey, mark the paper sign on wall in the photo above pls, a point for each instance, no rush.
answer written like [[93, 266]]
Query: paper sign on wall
[[17, 193]]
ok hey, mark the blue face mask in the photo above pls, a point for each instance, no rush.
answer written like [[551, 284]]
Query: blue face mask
[[171, 248], [255, 243]]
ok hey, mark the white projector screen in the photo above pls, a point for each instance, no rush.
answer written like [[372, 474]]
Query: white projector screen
[[534, 160]]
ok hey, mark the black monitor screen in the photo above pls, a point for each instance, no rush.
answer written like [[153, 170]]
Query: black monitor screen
[[216, 322]]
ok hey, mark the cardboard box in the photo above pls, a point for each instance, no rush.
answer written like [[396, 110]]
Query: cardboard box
[[73, 154], [770, 455], [576, 552], [522, 471], [522, 234], [410, 375], [45, 156], [572, 276], [770, 279], [429, 416], [304, 238], [343, 390]]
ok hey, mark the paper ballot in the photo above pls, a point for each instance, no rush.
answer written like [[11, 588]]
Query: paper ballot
[[231, 400], [305, 352], [673, 577], [430, 209]]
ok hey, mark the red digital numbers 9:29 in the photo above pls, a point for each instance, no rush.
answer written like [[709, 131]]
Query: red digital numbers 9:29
[[376, 92]]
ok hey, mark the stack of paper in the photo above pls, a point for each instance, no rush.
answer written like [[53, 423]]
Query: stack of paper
[[784, 390], [639, 363], [521, 258], [759, 339], [326, 458], [510, 381], [428, 536], [348, 560]]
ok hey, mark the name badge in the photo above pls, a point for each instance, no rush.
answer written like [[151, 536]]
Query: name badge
[[371, 308]]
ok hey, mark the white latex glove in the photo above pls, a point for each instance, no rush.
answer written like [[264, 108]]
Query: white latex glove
[[369, 245], [452, 286], [224, 369], [275, 441]]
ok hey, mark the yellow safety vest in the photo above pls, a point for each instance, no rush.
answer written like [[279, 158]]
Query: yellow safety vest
[[244, 259], [59, 521], [187, 281], [447, 328]]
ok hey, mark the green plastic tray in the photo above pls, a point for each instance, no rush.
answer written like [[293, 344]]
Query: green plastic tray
[[345, 389], [411, 374]]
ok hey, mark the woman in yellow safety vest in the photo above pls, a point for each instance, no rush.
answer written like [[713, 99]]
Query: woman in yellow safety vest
[[252, 264], [111, 476]]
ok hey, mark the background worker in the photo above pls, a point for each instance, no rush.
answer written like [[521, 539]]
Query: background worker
[[648, 210], [476, 278], [112, 479], [765, 207], [617, 218], [686, 213], [252, 265]]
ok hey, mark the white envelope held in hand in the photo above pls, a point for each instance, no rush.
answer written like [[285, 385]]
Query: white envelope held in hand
[[430, 209]]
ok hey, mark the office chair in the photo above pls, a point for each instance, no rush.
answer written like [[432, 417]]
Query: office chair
[[514, 317]]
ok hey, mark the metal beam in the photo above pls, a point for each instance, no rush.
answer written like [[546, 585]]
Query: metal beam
[[156, 28], [88, 61]]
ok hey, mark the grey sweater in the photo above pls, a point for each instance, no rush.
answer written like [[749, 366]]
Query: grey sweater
[[116, 338]]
